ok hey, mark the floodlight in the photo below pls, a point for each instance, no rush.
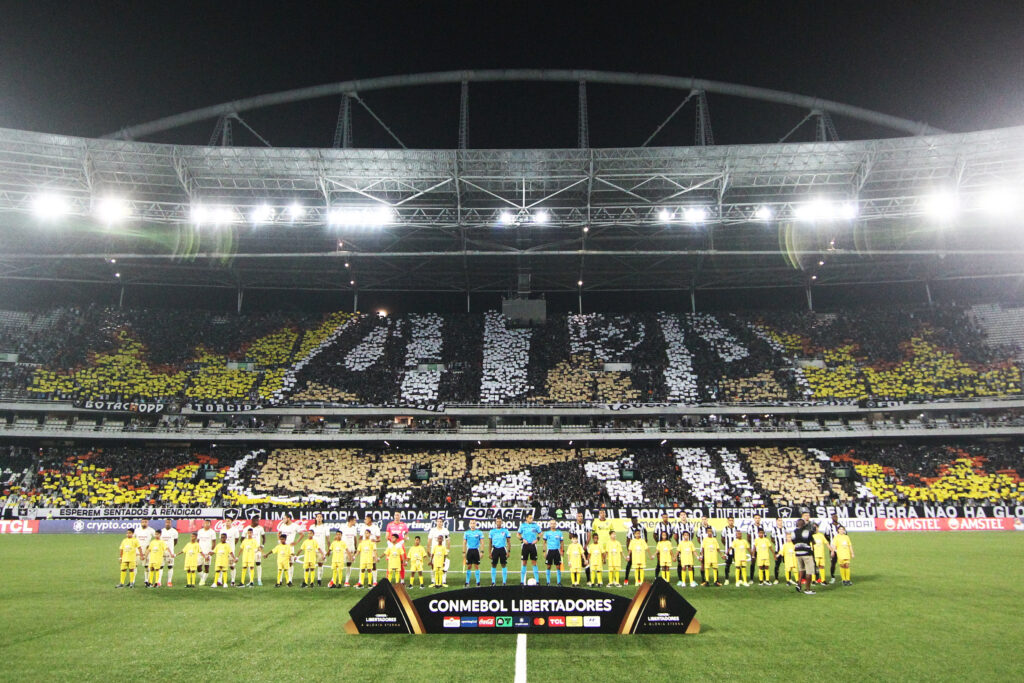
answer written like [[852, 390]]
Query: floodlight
[[296, 211], [506, 218], [50, 206], [382, 313], [664, 215], [263, 213], [763, 213], [541, 216], [695, 214], [849, 211], [941, 205], [579, 283], [112, 210], [212, 215]]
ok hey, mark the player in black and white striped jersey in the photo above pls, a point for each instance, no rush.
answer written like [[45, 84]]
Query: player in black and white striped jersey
[[631, 528], [580, 532], [682, 525], [778, 534], [752, 526], [830, 527], [664, 526], [729, 535]]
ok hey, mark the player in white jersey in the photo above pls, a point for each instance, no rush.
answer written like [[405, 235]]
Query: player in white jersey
[[206, 538], [170, 537], [374, 530], [290, 528], [144, 534], [320, 534], [233, 534], [350, 537], [257, 533], [439, 534]]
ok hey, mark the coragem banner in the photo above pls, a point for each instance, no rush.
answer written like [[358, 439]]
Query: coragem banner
[[656, 608]]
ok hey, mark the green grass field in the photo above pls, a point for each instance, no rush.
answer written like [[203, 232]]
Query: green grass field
[[924, 607]]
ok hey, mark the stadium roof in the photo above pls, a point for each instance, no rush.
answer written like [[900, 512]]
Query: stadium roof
[[925, 208]]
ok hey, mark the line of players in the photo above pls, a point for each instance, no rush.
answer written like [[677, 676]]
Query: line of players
[[592, 550], [209, 553]]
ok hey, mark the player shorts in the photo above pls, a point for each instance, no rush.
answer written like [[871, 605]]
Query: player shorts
[[576, 567], [685, 561], [764, 562], [595, 566], [529, 552], [221, 566], [473, 556], [553, 558], [127, 565], [805, 564], [367, 564], [416, 565], [499, 555]]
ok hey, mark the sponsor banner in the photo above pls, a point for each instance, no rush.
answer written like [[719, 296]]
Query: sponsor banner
[[124, 513], [946, 524], [223, 407], [86, 526], [19, 526], [122, 406], [657, 608]]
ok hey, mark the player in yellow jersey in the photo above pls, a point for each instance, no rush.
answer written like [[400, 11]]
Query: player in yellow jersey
[[223, 558], [156, 551], [789, 561], [283, 552], [311, 556], [741, 556], [247, 549], [596, 551], [602, 526], [193, 553], [821, 553], [127, 556], [710, 551], [664, 552], [367, 550], [417, 557], [685, 552], [574, 555], [842, 546], [638, 555], [764, 554], [339, 553], [437, 560], [395, 555], [614, 557]]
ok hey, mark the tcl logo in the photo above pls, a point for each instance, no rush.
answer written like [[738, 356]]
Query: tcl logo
[[19, 526], [556, 621]]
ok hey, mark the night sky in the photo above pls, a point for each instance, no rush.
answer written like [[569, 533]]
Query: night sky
[[88, 68]]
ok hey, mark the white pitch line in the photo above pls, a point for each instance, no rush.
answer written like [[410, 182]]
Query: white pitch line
[[520, 658]]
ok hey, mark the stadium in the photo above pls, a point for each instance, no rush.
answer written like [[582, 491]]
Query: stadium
[[597, 348]]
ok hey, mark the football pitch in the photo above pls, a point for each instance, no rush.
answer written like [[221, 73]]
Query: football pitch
[[938, 606]]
